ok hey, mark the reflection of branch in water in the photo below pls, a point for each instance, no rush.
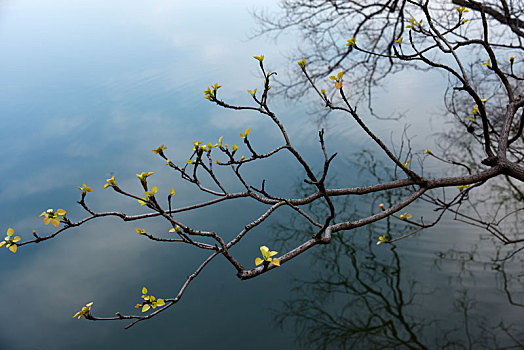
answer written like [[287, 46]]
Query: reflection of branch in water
[[376, 310], [466, 270], [461, 259], [507, 280], [359, 299], [377, 313], [465, 304]]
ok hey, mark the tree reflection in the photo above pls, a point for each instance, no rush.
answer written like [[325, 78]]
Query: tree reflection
[[360, 296], [357, 301]]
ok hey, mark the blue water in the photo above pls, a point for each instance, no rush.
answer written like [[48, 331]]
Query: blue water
[[88, 89]]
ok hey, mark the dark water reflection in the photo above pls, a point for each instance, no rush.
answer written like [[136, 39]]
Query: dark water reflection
[[361, 300], [357, 295], [88, 89]]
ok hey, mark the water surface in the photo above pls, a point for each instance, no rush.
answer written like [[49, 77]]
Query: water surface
[[88, 89]]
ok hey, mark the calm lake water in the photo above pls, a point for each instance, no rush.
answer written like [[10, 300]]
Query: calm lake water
[[89, 88]]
